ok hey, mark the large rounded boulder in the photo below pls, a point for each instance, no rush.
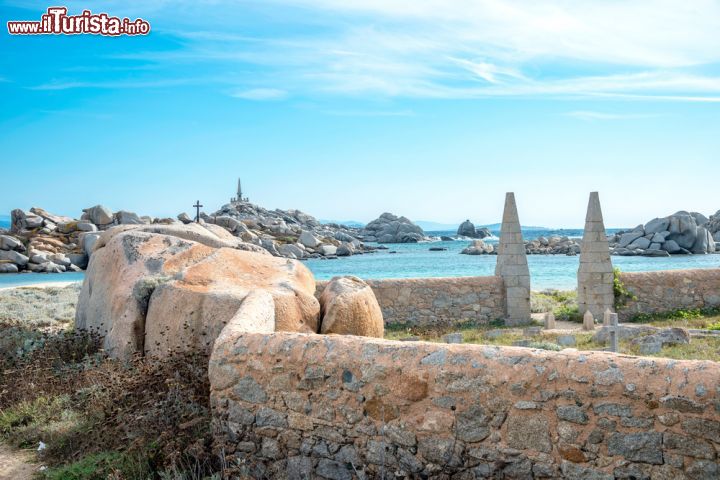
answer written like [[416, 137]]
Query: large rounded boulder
[[389, 228], [155, 289], [349, 307]]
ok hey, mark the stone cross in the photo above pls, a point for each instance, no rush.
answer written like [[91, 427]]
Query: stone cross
[[549, 321], [613, 332], [588, 321], [197, 206], [512, 266], [595, 274]]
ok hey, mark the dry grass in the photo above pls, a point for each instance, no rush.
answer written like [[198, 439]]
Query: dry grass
[[100, 417], [40, 308], [700, 348]]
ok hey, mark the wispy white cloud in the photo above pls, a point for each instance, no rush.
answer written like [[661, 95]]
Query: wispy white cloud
[[370, 113], [260, 94], [592, 116], [660, 49], [121, 84]]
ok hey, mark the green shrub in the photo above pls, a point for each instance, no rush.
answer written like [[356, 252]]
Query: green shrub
[[680, 314], [622, 294], [568, 313], [101, 466]]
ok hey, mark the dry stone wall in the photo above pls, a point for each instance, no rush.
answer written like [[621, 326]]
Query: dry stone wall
[[290, 405], [438, 301], [670, 290]]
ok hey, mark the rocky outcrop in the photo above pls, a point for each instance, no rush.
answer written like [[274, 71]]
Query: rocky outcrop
[[287, 233], [162, 288], [467, 229], [389, 228], [478, 247], [653, 343], [679, 233], [283, 233], [348, 307], [554, 245], [713, 226], [56, 243]]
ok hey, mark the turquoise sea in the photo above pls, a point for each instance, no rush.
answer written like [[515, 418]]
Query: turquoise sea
[[546, 271], [416, 260]]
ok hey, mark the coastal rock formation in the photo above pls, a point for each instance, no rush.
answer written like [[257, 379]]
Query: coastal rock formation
[[553, 245], [161, 288], [11, 243], [99, 215], [680, 233], [56, 243], [478, 247], [467, 229], [713, 226], [283, 233], [389, 228], [287, 233], [349, 307]]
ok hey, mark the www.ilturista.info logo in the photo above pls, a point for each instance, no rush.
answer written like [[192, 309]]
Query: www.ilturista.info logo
[[57, 22]]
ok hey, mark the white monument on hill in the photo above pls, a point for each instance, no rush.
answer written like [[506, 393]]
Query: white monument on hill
[[239, 197]]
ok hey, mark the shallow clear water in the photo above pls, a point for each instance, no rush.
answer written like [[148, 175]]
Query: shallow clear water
[[415, 260], [546, 271], [20, 279]]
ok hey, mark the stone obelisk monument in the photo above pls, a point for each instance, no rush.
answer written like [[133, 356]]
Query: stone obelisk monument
[[595, 274], [512, 266]]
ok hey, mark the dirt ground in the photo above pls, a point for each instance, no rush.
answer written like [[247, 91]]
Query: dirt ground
[[17, 464]]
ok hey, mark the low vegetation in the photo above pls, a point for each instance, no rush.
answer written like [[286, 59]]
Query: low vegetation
[[563, 304], [622, 294], [98, 418], [472, 332], [700, 347], [705, 318]]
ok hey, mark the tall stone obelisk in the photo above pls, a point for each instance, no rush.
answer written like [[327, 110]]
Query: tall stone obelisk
[[595, 274], [512, 266]]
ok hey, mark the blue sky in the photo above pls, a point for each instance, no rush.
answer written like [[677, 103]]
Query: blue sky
[[430, 109]]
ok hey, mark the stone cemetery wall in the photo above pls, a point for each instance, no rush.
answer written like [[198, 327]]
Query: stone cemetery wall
[[435, 301], [669, 290], [289, 405]]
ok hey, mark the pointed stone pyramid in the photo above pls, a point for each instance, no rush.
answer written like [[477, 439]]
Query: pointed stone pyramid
[[595, 274], [512, 265]]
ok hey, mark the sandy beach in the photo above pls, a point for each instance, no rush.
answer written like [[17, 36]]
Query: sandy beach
[[40, 285]]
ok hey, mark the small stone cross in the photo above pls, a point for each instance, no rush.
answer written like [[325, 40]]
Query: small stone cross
[[613, 332], [197, 206]]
